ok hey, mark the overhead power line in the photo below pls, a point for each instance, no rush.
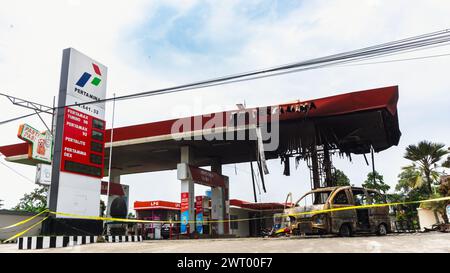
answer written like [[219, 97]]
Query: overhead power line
[[17, 118], [403, 60], [420, 42]]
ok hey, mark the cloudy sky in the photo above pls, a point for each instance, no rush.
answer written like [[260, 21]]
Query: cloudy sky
[[152, 44]]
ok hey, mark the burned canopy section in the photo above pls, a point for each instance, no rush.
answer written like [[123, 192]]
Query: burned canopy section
[[353, 123], [313, 130]]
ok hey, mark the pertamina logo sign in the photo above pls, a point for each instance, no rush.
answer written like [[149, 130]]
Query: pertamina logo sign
[[87, 83], [86, 77]]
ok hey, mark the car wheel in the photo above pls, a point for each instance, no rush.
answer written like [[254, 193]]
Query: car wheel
[[382, 230], [345, 231]]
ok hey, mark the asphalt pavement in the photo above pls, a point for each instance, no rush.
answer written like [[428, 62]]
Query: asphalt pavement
[[432, 242]]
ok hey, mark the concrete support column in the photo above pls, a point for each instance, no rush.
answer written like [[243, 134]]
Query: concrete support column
[[226, 199], [187, 192], [115, 178], [219, 200], [217, 209]]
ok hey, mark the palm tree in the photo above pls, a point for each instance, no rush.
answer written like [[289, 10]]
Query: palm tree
[[426, 155], [412, 177], [446, 164]]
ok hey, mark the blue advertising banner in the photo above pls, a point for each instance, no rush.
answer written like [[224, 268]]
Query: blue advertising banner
[[184, 212], [184, 221], [199, 223]]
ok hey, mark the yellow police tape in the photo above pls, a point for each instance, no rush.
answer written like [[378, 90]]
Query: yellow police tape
[[209, 221], [370, 206], [25, 231], [26, 220], [247, 219]]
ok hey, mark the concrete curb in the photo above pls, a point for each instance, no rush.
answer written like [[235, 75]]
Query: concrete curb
[[120, 239], [42, 242]]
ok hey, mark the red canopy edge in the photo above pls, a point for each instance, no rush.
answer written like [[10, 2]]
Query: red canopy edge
[[380, 98], [157, 204]]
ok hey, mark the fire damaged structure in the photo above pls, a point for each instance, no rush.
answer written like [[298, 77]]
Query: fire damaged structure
[[355, 123], [360, 122]]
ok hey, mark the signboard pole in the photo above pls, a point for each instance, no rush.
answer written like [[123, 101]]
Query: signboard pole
[[79, 140], [110, 154], [59, 121]]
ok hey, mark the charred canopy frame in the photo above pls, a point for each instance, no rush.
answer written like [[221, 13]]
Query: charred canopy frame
[[314, 130], [317, 139]]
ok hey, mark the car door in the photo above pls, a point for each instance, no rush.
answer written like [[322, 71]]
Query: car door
[[360, 198], [341, 199]]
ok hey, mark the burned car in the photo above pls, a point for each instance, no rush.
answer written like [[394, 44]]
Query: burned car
[[344, 222]]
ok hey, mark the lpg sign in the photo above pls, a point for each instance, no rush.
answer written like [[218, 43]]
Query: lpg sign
[[79, 136]]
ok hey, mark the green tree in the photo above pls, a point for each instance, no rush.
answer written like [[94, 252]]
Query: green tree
[[36, 201], [1, 203], [425, 157], [403, 212], [409, 179], [407, 190], [340, 179], [444, 188], [446, 164], [376, 181], [441, 206]]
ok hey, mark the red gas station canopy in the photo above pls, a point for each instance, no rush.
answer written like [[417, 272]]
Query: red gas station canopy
[[351, 122]]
